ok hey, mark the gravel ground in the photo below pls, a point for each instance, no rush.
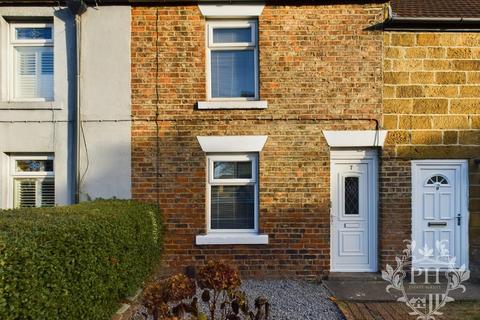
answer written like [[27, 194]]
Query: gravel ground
[[292, 300], [289, 300]]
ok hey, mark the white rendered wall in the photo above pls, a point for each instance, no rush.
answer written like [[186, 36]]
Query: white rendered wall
[[105, 96]]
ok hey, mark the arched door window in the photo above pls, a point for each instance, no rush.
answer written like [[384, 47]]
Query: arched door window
[[437, 181]]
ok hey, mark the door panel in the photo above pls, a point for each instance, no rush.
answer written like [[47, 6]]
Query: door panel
[[353, 241]]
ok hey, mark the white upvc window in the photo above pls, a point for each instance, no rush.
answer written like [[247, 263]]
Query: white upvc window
[[232, 193], [31, 62], [32, 181], [232, 60]]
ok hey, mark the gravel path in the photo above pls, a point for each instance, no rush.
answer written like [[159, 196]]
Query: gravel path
[[289, 300]]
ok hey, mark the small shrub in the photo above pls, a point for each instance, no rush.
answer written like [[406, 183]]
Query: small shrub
[[75, 262], [219, 283]]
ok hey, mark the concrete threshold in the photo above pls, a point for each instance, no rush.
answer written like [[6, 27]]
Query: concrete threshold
[[371, 287]]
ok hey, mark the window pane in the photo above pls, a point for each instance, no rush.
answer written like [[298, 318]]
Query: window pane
[[45, 86], [48, 193], [232, 207], [351, 196], [231, 35], [25, 33], [233, 73], [47, 62], [232, 170], [34, 165]]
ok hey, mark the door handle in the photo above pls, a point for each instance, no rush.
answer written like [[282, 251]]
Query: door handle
[[459, 218]]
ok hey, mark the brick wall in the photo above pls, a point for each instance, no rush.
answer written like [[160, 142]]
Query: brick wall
[[316, 62], [432, 109]]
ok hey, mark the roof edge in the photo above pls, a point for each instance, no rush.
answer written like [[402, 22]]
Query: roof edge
[[173, 2], [434, 17]]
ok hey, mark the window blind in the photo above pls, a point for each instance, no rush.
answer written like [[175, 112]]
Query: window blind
[[25, 191], [233, 207], [34, 192], [233, 73], [34, 72]]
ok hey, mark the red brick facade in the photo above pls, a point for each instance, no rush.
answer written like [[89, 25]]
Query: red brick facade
[[320, 69], [316, 63]]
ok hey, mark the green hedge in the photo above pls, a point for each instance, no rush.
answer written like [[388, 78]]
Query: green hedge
[[75, 262]]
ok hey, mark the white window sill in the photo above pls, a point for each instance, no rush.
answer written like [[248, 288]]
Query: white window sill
[[202, 105], [30, 105], [238, 238]]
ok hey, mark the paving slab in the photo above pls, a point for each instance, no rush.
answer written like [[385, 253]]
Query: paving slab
[[360, 290], [369, 288]]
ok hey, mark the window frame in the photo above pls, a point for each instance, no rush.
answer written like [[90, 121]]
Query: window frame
[[11, 58], [246, 46], [211, 181], [14, 174]]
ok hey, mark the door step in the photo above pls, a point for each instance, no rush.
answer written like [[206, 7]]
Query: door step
[[355, 276]]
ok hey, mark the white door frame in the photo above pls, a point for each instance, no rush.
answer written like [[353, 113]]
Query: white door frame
[[357, 155], [464, 197]]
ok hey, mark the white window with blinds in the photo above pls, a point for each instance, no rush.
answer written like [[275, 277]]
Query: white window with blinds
[[32, 181], [232, 193], [32, 62], [232, 60]]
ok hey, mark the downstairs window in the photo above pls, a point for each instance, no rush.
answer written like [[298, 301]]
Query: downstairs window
[[33, 181], [232, 193]]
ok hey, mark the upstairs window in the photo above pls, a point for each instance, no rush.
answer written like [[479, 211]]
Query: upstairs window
[[232, 60], [33, 181], [31, 56]]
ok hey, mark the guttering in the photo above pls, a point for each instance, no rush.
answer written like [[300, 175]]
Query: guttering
[[434, 19], [439, 24]]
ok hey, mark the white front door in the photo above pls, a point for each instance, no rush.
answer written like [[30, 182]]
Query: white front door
[[439, 212], [353, 187]]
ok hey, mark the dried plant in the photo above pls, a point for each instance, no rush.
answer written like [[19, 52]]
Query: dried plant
[[158, 297], [219, 283]]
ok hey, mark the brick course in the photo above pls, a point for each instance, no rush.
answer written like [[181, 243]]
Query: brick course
[[316, 63]]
